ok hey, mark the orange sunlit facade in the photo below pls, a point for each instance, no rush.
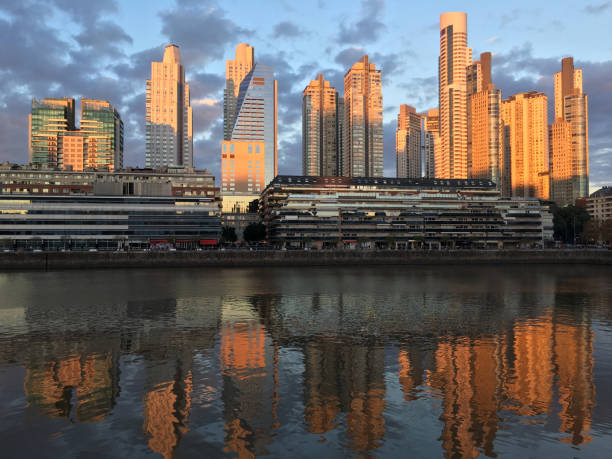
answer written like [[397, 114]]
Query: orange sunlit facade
[[433, 158], [242, 166], [409, 142], [569, 156], [362, 151], [525, 129], [236, 71], [320, 155], [455, 56], [169, 118]]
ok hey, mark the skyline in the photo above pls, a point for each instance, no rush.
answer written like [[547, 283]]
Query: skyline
[[409, 70]]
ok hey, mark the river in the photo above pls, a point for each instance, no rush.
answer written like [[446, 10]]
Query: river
[[413, 361]]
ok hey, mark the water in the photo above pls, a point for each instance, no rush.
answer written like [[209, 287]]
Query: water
[[323, 362]]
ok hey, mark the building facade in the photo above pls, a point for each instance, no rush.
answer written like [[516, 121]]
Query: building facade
[[599, 204], [320, 129], [329, 212], [48, 120], [432, 142], [455, 56], [169, 118], [569, 156], [525, 128], [362, 154], [484, 122], [55, 140], [249, 153], [235, 71], [409, 142]]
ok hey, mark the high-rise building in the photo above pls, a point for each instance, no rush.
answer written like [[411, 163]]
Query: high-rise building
[[102, 128], [569, 154], [235, 71], [409, 142], [455, 56], [248, 152], [55, 141], [340, 133], [362, 154], [169, 119], [47, 121], [320, 129], [525, 127], [432, 142], [484, 124]]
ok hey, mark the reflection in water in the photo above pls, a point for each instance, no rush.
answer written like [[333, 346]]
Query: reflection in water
[[529, 363]]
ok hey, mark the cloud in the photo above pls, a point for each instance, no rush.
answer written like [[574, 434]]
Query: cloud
[[389, 64], [286, 29], [367, 28], [597, 8], [202, 31], [493, 40]]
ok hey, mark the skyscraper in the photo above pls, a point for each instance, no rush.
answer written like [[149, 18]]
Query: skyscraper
[[409, 142], [569, 151], [235, 71], [484, 124], [432, 142], [169, 119], [525, 127], [455, 56], [103, 128], [362, 154], [248, 153], [320, 129], [47, 121]]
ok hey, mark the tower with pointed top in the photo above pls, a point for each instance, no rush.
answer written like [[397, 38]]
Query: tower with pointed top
[[169, 119]]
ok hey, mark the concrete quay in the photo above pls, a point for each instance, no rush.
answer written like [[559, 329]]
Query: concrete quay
[[273, 258]]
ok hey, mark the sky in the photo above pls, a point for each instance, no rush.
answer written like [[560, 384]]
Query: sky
[[103, 49]]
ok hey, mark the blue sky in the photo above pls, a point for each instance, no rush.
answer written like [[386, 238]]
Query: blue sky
[[104, 49]]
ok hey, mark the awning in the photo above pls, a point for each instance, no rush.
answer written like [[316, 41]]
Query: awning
[[208, 242]]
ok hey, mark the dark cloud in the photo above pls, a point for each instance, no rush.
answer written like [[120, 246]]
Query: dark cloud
[[597, 8], [367, 28], [290, 154], [287, 29], [202, 30]]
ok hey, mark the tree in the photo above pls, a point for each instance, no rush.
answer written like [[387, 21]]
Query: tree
[[606, 230], [568, 222], [591, 231], [254, 206], [228, 234], [254, 232]]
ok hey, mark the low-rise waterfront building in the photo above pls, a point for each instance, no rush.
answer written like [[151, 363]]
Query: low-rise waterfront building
[[239, 211], [49, 208], [599, 204], [329, 212]]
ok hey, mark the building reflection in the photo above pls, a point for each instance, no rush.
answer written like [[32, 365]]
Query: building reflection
[[537, 365], [249, 365], [83, 386]]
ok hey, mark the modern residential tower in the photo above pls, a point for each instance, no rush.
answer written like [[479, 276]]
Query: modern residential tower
[[525, 128], [362, 154], [248, 152], [432, 142], [569, 137], [455, 56], [56, 142], [169, 119], [409, 142], [484, 123], [320, 144]]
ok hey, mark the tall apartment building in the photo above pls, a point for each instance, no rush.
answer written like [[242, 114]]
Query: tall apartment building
[[362, 154], [169, 118], [525, 128], [249, 152], [432, 142], [320, 129], [56, 142], [455, 56], [569, 137], [47, 121], [235, 71], [484, 123], [409, 142]]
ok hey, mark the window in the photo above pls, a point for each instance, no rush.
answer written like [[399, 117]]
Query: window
[[224, 148], [256, 148], [250, 148], [232, 148]]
